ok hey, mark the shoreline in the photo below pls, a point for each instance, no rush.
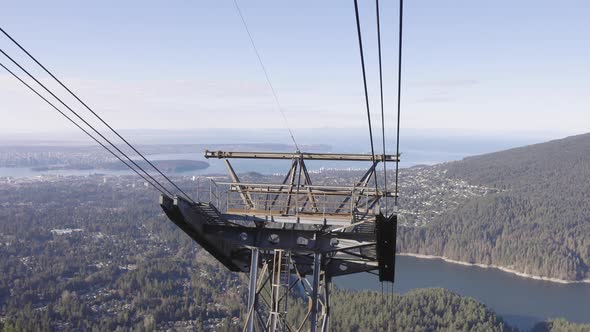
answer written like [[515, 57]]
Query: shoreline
[[501, 268]]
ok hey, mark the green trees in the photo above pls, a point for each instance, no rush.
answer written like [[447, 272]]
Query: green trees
[[419, 310], [539, 223], [560, 325], [130, 270]]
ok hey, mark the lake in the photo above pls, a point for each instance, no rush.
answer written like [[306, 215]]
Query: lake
[[520, 301]]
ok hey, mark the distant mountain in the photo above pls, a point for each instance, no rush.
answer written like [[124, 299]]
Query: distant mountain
[[531, 212]]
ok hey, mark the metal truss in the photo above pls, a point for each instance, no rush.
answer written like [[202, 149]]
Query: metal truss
[[269, 292], [286, 234]]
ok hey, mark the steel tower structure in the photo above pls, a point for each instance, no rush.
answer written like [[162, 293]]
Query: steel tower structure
[[284, 234]]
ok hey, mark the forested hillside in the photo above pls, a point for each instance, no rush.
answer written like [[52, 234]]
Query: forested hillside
[[560, 325], [537, 221], [97, 254], [419, 310]]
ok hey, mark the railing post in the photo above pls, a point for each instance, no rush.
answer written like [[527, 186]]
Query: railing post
[[210, 190], [217, 194], [297, 202], [266, 199], [198, 188], [352, 202], [325, 207], [367, 200]]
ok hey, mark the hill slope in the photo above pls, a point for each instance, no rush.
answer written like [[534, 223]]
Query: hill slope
[[129, 269], [536, 220], [433, 309]]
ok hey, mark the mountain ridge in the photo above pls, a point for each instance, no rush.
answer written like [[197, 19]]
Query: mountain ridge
[[538, 221]]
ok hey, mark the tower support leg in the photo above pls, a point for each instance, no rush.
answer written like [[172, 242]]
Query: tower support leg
[[269, 287], [252, 291], [326, 304], [317, 267]]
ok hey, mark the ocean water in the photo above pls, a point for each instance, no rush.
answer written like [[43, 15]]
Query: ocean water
[[520, 301], [414, 150]]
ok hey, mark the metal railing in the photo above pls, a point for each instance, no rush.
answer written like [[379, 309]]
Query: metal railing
[[301, 201]]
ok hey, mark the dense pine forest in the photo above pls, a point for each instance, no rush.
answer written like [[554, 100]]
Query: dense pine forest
[[97, 254], [534, 219], [419, 310]]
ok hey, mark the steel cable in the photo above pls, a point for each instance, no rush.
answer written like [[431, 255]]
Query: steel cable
[[276, 98], [358, 28], [399, 93], [94, 113], [382, 110], [161, 190], [81, 118]]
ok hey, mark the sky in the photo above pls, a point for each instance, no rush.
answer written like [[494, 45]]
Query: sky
[[468, 66]]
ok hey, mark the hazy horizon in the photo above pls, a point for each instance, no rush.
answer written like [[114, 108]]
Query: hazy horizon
[[497, 66]]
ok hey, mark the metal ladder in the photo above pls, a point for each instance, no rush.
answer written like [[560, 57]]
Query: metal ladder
[[280, 285]]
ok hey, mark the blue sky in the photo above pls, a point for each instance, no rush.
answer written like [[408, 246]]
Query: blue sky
[[479, 66]]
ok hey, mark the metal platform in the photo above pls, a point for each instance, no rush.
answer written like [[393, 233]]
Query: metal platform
[[280, 233]]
